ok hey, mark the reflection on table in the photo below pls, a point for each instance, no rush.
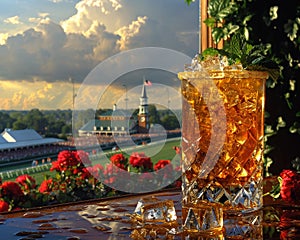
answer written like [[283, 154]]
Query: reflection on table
[[111, 219]]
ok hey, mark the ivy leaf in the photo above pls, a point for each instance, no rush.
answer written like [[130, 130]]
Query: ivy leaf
[[217, 34], [220, 9], [275, 191], [210, 22], [229, 29]]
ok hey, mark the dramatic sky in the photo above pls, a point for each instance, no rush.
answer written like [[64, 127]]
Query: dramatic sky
[[45, 43]]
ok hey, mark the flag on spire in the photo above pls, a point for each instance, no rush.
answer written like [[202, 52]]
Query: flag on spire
[[147, 83]]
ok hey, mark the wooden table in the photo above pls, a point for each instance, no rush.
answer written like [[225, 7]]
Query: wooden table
[[109, 219]]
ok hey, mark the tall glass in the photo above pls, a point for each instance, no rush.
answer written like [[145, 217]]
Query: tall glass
[[222, 141]]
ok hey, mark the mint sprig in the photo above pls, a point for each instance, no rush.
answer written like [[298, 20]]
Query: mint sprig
[[239, 51]]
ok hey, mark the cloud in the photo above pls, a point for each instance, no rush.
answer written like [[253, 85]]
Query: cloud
[[89, 13], [127, 32], [41, 94], [3, 38], [15, 20], [53, 52], [43, 18], [98, 29], [46, 52]]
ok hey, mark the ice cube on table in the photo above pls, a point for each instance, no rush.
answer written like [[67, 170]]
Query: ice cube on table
[[153, 210]]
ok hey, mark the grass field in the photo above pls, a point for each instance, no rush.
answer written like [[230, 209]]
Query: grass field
[[155, 150]]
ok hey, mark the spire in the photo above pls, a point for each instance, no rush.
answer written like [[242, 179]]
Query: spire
[[144, 94]]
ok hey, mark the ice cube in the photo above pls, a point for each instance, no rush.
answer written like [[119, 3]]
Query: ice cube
[[153, 210]]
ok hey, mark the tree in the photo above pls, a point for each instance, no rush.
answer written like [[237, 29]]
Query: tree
[[153, 114], [170, 122]]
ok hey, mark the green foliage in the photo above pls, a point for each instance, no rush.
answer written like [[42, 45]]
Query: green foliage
[[296, 164], [239, 51], [170, 122], [50, 123], [275, 191], [189, 1]]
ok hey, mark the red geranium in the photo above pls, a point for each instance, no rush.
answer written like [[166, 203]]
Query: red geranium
[[113, 174], [96, 170], [26, 181], [161, 164], [290, 186], [85, 174], [69, 160], [82, 157], [119, 160], [4, 206], [165, 167], [140, 160], [11, 190], [65, 160], [46, 186]]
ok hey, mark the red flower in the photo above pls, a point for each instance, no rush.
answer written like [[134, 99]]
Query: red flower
[[95, 170], [70, 159], [140, 160], [12, 190], [98, 167], [119, 160], [55, 166], [65, 160], [26, 181], [161, 164], [4, 206], [85, 174], [46, 186], [82, 157], [290, 188], [76, 171], [113, 174]]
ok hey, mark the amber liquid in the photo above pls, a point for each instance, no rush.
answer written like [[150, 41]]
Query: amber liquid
[[236, 164]]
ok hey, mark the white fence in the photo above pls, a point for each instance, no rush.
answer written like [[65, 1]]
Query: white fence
[[28, 170]]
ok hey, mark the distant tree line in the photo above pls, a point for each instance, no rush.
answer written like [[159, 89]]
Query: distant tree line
[[48, 123], [58, 123]]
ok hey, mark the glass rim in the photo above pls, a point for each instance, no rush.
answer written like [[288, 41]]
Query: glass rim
[[219, 74]]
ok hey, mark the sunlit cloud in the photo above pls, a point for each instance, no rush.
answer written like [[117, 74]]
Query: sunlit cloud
[[28, 95], [15, 20], [130, 31], [42, 18], [3, 38], [89, 13]]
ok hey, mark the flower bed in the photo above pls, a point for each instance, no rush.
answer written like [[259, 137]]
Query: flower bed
[[77, 179]]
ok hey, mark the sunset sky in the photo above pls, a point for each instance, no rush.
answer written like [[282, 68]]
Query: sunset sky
[[45, 43]]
